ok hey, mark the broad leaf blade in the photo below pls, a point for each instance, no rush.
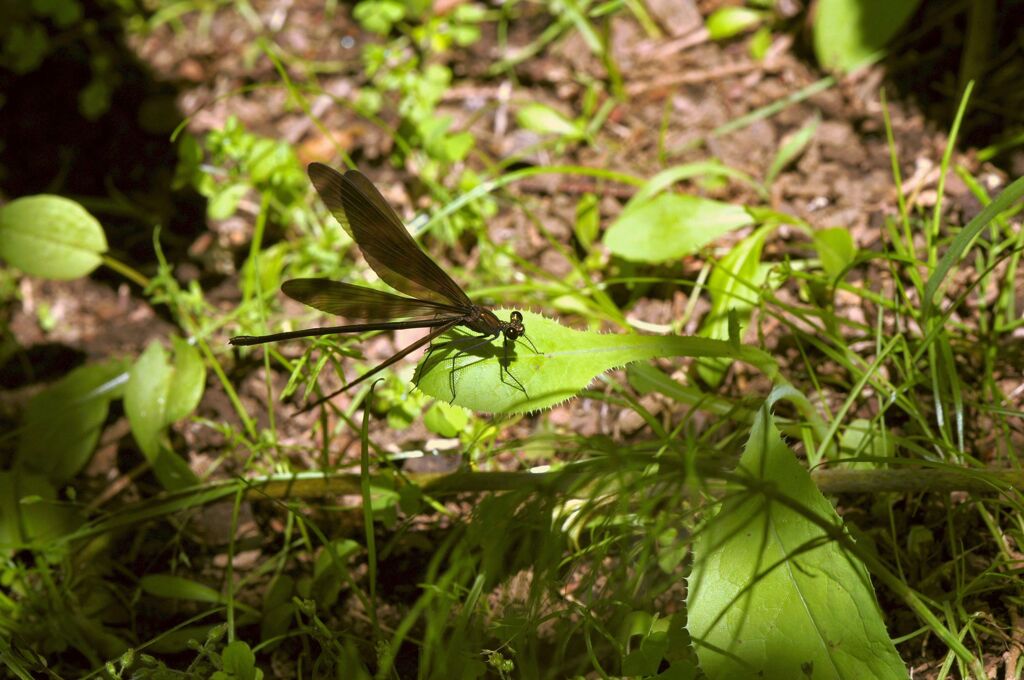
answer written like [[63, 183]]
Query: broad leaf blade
[[150, 407], [50, 236], [836, 250], [145, 398], [848, 32], [63, 422], [187, 381], [670, 226], [772, 594], [566, 361]]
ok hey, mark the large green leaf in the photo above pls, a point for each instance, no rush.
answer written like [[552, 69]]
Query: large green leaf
[[848, 32], [158, 394], [560, 363], [63, 422], [669, 226], [50, 236], [773, 594], [187, 381]]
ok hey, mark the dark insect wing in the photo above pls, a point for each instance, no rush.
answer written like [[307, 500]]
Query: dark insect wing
[[382, 238], [359, 302]]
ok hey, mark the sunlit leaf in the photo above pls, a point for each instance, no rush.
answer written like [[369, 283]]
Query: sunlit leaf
[[773, 593], [731, 21], [187, 381], [378, 16], [544, 120], [224, 201], [63, 422], [565, 362], [670, 226], [158, 394], [836, 250], [445, 419], [50, 236], [145, 399], [734, 286], [847, 32]]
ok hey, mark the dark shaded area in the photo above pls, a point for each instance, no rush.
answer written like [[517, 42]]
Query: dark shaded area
[[39, 363], [55, 136], [944, 46]]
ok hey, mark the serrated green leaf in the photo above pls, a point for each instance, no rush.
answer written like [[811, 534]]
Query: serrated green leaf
[[836, 250], [670, 226], [50, 236], [730, 21], [63, 422], [848, 32], [565, 362], [772, 593], [544, 120]]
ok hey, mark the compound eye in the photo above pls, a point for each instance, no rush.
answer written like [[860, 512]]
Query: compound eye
[[516, 317]]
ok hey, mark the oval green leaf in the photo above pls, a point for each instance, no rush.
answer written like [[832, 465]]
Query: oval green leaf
[[849, 32], [731, 21], [188, 378], [670, 226], [157, 395], [63, 422], [836, 250], [50, 236], [772, 594], [480, 375], [145, 398], [544, 120]]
